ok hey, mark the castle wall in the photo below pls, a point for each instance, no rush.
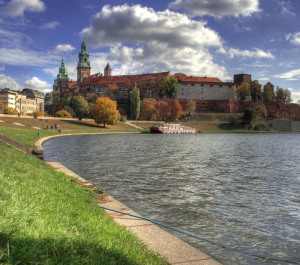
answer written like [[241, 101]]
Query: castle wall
[[205, 91]]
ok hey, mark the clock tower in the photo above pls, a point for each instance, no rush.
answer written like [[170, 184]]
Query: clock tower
[[83, 66]]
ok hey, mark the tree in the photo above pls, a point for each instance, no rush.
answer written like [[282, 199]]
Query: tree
[[260, 110], [37, 113], [9, 110], [135, 103], [147, 87], [191, 106], [249, 115], [176, 109], [287, 96], [63, 114], [288, 108], [70, 110], [81, 107], [242, 91], [268, 96], [148, 109], [163, 110], [179, 74], [105, 111], [279, 94], [1, 106], [255, 90], [170, 86]]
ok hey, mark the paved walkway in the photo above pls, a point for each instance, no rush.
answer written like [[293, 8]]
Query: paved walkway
[[19, 124], [35, 127], [2, 121], [158, 240], [133, 125]]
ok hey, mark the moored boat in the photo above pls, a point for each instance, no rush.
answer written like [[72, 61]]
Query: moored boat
[[171, 128]]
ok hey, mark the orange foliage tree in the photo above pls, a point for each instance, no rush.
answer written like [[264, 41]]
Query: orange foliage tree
[[113, 87], [9, 110], [1, 105], [163, 110], [148, 109], [105, 111], [62, 113], [176, 109]]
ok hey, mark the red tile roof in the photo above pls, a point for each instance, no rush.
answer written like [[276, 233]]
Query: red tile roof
[[269, 84], [96, 80], [72, 83], [198, 79]]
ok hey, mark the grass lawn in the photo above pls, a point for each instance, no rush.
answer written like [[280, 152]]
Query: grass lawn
[[28, 136], [45, 218]]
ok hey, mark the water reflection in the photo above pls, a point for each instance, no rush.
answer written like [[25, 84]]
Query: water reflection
[[239, 190]]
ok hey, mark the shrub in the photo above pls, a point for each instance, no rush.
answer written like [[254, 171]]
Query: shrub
[[63, 114], [37, 113], [9, 110], [249, 115]]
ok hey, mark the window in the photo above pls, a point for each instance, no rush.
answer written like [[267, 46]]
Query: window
[[211, 85], [202, 85], [182, 93], [85, 59], [192, 84], [220, 86], [63, 84], [229, 86], [202, 92]]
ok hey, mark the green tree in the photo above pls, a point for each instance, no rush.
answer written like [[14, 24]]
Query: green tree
[[191, 106], [268, 96], [249, 115], [48, 102], [255, 90], [242, 91], [135, 103], [81, 107], [70, 110], [170, 86]]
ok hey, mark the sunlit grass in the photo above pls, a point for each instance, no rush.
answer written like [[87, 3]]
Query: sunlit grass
[[47, 219]]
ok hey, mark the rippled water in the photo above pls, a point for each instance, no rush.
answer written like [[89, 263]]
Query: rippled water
[[238, 190]]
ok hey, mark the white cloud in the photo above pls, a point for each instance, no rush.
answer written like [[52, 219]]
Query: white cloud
[[114, 25], [161, 41], [16, 8], [251, 54], [20, 57], [7, 81], [286, 7], [50, 25], [291, 75], [35, 83], [13, 39], [61, 48], [217, 8], [295, 96], [293, 38]]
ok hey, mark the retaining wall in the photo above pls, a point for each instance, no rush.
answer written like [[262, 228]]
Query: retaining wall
[[286, 126]]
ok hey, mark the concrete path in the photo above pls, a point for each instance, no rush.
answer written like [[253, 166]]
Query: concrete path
[[133, 125], [2, 121], [158, 240], [19, 124], [35, 127]]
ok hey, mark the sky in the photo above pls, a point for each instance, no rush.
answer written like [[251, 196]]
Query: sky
[[214, 38]]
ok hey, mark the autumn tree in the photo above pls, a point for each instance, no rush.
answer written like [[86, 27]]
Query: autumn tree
[[260, 110], [179, 74], [70, 110], [255, 90], [105, 111], [287, 96], [242, 91], [267, 93], [163, 110], [288, 108], [170, 86], [113, 91], [9, 110], [63, 114], [135, 103], [148, 109], [147, 87], [176, 109], [1, 106], [191, 106]]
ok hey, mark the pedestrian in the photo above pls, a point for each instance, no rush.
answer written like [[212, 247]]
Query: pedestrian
[[19, 114]]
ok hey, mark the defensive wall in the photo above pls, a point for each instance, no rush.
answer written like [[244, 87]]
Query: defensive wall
[[274, 108], [286, 126]]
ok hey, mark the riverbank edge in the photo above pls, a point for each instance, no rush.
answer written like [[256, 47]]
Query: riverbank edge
[[175, 250]]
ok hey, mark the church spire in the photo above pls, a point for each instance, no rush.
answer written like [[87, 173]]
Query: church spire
[[63, 70]]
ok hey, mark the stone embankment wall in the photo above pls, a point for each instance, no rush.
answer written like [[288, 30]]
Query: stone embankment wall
[[286, 126], [37, 152]]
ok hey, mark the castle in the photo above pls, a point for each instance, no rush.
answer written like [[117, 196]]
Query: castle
[[208, 92]]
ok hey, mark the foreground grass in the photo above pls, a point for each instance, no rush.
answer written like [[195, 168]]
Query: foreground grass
[[46, 219]]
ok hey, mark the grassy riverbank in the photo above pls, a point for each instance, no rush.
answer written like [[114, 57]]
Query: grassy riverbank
[[47, 219]]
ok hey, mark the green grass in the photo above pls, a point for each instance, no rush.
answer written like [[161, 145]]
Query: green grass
[[45, 218]]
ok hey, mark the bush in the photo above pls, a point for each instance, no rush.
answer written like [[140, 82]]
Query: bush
[[63, 114], [9, 110], [37, 113], [249, 115], [123, 118]]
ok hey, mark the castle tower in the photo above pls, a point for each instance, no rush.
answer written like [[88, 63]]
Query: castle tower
[[62, 81], [83, 66], [107, 70]]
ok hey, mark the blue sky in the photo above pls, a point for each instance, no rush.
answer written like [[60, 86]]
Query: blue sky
[[197, 37]]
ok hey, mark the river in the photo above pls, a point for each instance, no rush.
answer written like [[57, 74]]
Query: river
[[237, 190]]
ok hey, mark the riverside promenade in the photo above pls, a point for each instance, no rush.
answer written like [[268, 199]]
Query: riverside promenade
[[173, 249]]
